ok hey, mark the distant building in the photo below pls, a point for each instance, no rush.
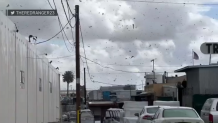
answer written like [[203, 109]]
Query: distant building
[[153, 78], [201, 79], [175, 79], [117, 87], [73, 92]]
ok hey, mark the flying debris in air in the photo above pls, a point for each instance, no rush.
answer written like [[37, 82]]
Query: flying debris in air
[[115, 79], [90, 26], [132, 56], [133, 26], [8, 5]]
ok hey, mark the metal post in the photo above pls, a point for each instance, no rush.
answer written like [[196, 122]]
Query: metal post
[[130, 92], [78, 98], [85, 86], [210, 59], [153, 69]]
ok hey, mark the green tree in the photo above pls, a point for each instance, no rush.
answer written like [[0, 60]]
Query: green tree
[[68, 77]]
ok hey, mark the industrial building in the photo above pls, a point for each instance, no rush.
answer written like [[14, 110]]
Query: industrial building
[[29, 83], [200, 80]]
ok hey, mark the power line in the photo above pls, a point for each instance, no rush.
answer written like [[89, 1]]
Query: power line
[[109, 67], [136, 65], [60, 25], [162, 2], [50, 4], [55, 34], [127, 73], [53, 58], [69, 10], [84, 52]]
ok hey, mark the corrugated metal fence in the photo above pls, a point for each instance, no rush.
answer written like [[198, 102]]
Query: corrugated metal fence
[[29, 85]]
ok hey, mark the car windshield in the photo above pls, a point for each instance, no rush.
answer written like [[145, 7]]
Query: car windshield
[[152, 110], [179, 113]]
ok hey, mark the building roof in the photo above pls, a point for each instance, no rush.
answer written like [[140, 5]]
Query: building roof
[[184, 69]]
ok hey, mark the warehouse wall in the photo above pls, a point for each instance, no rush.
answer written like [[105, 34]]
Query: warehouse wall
[[25, 75]]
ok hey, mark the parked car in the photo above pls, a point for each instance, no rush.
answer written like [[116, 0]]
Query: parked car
[[146, 113], [86, 116], [114, 115], [176, 115], [209, 111], [65, 100], [65, 117]]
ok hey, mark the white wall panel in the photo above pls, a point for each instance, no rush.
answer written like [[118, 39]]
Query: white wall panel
[[45, 91], [32, 85], [50, 95], [21, 89], [11, 74], [6, 69], [39, 92], [54, 96], [23, 102]]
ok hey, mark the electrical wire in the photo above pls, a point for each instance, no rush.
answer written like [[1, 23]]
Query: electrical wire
[[136, 65], [69, 10], [60, 25], [53, 58], [110, 67], [84, 52], [65, 12], [161, 2], [56, 33], [50, 4]]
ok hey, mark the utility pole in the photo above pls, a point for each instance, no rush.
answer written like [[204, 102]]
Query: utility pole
[[85, 85], [153, 69], [78, 98]]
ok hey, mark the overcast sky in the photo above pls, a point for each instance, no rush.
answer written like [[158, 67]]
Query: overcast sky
[[123, 35]]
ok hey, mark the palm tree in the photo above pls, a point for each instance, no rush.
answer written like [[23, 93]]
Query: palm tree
[[68, 77]]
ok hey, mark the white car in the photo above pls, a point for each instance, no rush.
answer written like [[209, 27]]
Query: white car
[[146, 113], [209, 112], [176, 115]]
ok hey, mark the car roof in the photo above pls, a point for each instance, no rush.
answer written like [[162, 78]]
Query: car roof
[[155, 106], [176, 107]]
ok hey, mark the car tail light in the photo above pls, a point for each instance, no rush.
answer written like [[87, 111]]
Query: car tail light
[[146, 117], [210, 118]]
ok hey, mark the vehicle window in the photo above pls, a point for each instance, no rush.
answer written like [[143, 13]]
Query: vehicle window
[[217, 106], [179, 113], [152, 110], [207, 105], [142, 112], [156, 114]]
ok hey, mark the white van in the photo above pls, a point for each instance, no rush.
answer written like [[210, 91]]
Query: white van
[[209, 111]]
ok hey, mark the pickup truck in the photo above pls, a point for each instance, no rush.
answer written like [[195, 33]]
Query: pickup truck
[[209, 111]]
